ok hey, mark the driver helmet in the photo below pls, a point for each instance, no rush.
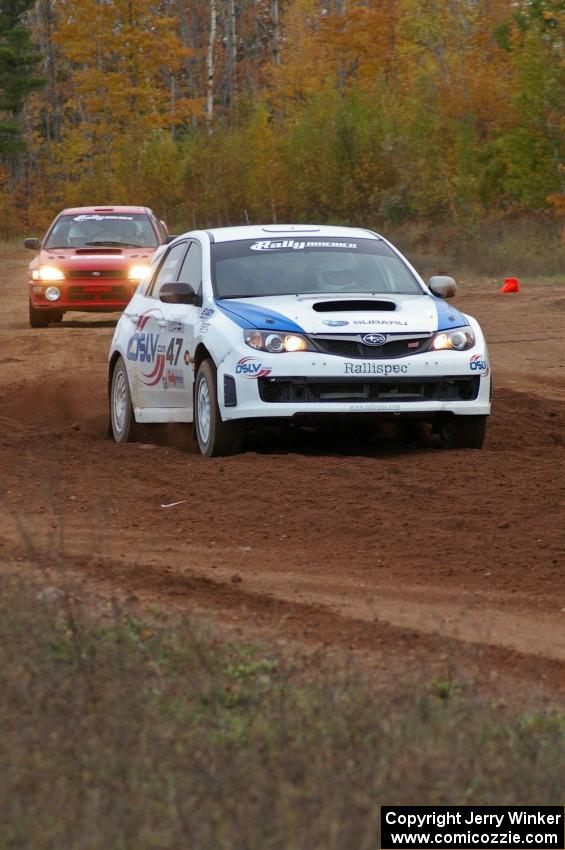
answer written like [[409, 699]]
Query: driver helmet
[[76, 236], [340, 271]]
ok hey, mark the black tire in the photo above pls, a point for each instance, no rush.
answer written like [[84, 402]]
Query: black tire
[[215, 438], [122, 417], [462, 432], [55, 316], [38, 318], [410, 432]]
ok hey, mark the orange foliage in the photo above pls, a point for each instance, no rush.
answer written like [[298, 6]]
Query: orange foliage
[[351, 110]]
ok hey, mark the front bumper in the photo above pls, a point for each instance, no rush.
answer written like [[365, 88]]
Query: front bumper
[[84, 296], [289, 385]]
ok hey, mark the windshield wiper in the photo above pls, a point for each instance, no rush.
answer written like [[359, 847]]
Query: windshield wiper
[[109, 242]]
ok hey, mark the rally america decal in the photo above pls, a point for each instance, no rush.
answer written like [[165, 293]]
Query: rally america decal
[[296, 245], [173, 378], [96, 217]]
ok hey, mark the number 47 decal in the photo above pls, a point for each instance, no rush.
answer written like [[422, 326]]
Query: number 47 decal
[[172, 356]]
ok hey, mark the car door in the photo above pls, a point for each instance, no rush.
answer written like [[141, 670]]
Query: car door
[[147, 349], [178, 334]]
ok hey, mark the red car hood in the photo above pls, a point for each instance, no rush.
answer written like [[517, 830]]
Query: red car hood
[[93, 259]]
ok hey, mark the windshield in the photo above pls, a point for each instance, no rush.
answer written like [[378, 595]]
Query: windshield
[[252, 267], [96, 229]]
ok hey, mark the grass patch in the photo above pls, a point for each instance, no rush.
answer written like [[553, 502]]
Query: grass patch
[[14, 246], [525, 246], [531, 246], [125, 734]]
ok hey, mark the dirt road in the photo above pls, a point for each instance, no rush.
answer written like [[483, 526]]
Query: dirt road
[[420, 557]]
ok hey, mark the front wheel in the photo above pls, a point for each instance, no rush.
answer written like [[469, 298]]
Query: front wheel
[[463, 432], [38, 318], [122, 417], [215, 437]]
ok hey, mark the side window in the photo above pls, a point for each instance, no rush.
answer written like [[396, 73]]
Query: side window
[[169, 269], [191, 271]]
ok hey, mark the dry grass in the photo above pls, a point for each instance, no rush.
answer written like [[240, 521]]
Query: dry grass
[[121, 734], [530, 247], [14, 246]]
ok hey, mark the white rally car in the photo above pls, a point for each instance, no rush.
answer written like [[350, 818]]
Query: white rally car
[[245, 324]]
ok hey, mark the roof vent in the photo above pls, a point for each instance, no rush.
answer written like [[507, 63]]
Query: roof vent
[[290, 228]]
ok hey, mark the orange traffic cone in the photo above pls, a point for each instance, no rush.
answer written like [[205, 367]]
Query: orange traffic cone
[[511, 284]]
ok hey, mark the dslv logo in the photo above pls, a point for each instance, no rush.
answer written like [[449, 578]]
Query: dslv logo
[[477, 364], [142, 347], [250, 367]]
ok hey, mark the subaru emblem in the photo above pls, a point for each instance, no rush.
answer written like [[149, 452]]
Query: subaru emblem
[[374, 339], [335, 323], [95, 274]]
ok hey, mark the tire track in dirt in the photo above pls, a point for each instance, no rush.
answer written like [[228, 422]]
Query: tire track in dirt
[[335, 539]]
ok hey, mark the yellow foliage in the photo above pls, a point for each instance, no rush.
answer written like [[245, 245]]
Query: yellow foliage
[[348, 110]]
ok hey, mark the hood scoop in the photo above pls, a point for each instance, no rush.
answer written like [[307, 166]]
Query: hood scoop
[[97, 251], [353, 306]]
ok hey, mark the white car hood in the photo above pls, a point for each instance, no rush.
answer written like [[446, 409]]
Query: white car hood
[[339, 314]]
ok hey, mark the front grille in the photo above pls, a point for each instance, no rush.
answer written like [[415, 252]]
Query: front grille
[[354, 347], [100, 274], [312, 390], [108, 293]]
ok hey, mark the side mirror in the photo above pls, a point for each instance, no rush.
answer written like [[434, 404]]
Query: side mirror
[[32, 243], [170, 238], [179, 293], [442, 286]]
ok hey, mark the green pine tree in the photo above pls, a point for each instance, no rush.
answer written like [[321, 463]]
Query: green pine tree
[[19, 61]]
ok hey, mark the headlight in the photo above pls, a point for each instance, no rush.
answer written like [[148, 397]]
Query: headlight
[[459, 339], [47, 273], [276, 342], [138, 272], [52, 293]]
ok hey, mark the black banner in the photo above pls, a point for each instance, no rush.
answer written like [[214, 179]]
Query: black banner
[[477, 827]]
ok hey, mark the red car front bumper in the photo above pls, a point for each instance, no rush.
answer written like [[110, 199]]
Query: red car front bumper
[[84, 295]]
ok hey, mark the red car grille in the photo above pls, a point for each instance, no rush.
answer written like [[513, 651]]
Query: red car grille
[[103, 293], [102, 274]]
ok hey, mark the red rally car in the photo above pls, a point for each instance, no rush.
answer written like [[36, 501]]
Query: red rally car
[[91, 260]]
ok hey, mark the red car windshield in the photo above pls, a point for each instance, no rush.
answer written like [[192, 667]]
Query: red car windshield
[[85, 230]]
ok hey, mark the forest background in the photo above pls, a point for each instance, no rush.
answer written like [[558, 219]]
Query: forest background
[[442, 120]]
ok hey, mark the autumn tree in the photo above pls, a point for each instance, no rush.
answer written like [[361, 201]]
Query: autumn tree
[[533, 145], [355, 111]]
